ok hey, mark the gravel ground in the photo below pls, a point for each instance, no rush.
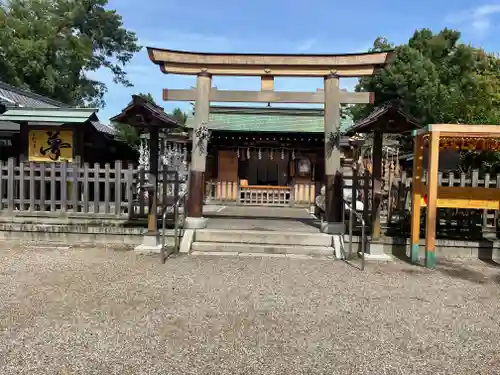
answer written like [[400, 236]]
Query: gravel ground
[[96, 311]]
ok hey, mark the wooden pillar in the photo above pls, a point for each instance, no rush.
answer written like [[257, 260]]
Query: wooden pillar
[[416, 196], [267, 83], [376, 183], [199, 149], [78, 144], [333, 173], [24, 140], [432, 186], [153, 180]]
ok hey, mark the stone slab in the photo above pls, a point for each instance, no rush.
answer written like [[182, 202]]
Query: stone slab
[[195, 222], [186, 241], [263, 237]]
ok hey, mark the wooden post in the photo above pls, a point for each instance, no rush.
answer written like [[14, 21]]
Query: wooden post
[[376, 183], [432, 186], [198, 153], [24, 140], [153, 180], [416, 197], [333, 201]]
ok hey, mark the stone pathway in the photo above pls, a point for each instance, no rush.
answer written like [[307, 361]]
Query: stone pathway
[[262, 218]]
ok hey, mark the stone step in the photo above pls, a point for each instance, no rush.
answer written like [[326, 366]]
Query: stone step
[[233, 248], [263, 237]]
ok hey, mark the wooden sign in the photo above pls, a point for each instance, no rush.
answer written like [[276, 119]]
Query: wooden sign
[[50, 145], [466, 198]]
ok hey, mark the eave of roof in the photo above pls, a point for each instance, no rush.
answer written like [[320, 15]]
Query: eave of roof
[[48, 115], [21, 97], [267, 119], [138, 103], [369, 123]]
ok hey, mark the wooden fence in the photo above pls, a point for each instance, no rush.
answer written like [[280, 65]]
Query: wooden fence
[[69, 190], [452, 222], [228, 192]]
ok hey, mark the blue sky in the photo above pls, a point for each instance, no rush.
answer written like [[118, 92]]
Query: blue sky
[[316, 26]]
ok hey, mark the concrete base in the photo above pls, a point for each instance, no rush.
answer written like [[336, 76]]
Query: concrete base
[[375, 248], [332, 228], [195, 222], [379, 257], [151, 244]]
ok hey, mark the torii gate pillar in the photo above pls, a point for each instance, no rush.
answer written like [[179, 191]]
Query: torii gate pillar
[[333, 172], [195, 219]]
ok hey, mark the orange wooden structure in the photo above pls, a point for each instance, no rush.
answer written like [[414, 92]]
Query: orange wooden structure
[[447, 136]]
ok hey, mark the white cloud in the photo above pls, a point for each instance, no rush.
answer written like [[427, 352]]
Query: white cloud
[[480, 19], [306, 45]]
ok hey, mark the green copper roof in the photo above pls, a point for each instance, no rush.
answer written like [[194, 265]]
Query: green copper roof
[[276, 120], [50, 115]]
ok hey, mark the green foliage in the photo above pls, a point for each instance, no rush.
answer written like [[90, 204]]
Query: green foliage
[[127, 134], [437, 79], [179, 116], [50, 46], [148, 97]]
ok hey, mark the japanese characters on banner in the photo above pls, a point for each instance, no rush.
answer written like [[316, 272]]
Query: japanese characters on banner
[[470, 144], [52, 145]]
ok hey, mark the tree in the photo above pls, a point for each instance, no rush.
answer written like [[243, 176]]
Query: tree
[[437, 79], [148, 97], [50, 46], [179, 116]]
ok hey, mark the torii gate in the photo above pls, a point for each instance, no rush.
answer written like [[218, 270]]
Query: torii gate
[[268, 66]]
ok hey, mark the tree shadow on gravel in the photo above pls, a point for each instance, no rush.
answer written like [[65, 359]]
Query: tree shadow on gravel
[[456, 270], [460, 271]]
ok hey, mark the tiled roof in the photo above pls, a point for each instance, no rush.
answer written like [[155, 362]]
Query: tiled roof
[[154, 111], [401, 121], [276, 120], [29, 104], [15, 96], [49, 115], [103, 128]]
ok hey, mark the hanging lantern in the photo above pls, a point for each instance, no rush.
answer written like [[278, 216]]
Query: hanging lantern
[[260, 154], [282, 154]]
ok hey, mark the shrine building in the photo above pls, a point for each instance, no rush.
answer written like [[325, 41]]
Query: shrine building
[[266, 155]]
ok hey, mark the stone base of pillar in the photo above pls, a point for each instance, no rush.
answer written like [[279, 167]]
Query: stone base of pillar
[[376, 251], [151, 244], [332, 228], [195, 222]]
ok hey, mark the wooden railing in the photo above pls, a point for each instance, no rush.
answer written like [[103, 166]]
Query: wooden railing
[[69, 190], [452, 222], [228, 192]]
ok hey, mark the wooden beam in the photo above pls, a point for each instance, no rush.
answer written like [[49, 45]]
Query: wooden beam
[[417, 187], [344, 65], [280, 71], [267, 96], [432, 186], [267, 83]]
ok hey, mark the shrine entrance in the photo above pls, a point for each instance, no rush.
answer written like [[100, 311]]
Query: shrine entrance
[[267, 66]]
